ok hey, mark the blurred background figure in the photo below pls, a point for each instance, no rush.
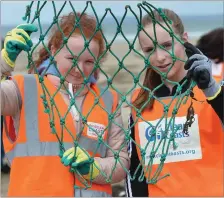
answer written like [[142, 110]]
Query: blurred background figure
[[211, 44]]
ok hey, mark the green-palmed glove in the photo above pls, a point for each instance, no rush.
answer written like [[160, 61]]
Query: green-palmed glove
[[79, 159], [16, 40]]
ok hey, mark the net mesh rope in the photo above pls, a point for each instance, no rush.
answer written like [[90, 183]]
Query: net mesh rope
[[51, 106]]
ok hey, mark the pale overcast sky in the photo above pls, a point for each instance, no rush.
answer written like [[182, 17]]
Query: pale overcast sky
[[12, 11]]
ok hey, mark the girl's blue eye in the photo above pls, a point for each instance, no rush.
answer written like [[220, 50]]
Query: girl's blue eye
[[167, 46]]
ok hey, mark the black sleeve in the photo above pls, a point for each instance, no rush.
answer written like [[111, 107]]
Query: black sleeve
[[134, 187], [217, 104]]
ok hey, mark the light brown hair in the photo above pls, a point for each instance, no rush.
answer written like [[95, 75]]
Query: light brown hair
[[153, 79]]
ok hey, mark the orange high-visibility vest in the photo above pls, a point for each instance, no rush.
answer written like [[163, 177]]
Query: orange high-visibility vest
[[196, 166], [218, 72], [36, 169]]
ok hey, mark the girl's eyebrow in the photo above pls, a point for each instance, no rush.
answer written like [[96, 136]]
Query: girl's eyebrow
[[166, 42], [150, 48], [71, 56]]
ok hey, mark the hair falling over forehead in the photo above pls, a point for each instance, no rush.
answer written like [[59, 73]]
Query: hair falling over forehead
[[67, 23], [153, 79]]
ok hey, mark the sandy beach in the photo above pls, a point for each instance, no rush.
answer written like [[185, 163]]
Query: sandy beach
[[123, 81]]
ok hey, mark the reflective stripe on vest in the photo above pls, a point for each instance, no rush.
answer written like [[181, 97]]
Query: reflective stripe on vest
[[33, 146], [90, 193]]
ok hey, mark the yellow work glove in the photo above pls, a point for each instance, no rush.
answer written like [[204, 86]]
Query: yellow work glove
[[16, 40], [80, 160]]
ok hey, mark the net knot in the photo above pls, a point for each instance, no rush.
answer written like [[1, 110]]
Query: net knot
[[77, 25], [152, 154], [138, 114], [175, 110], [163, 76], [162, 14], [116, 155], [147, 63], [52, 101], [100, 139], [47, 110], [28, 10], [166, 108], [118, 29], [62, 79], [109, 81], [91, 160], [121, 65], [52, 124], [41, 38], [84, 120], [136, 79], [96, 101], [72, 101], [76, 144], [108, 46], [51, 59], [172, 136], [127, 136], [140, 27], [163, 157], [62, 121], [65, 40], [171, 34], [123, 98], [155, 43], [74, 61], [143, 153], [37, 14], [61, 151], [55, 19], [41, 79], [86, 44], [131, 46], [98, 27], [154, 20], [85, 81], [111, 117], [53, 130]]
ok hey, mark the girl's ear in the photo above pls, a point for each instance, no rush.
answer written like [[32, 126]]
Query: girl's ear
[[185, 37]]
